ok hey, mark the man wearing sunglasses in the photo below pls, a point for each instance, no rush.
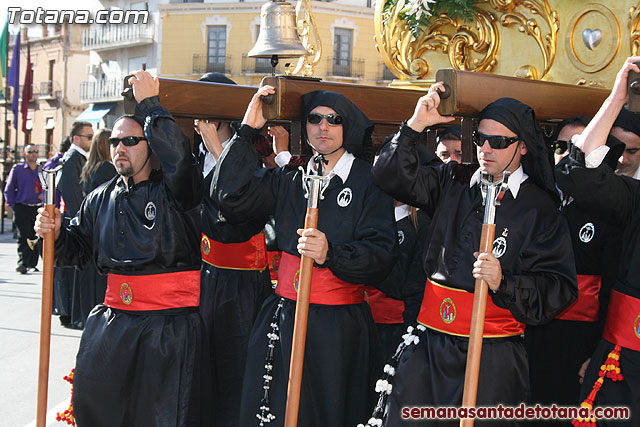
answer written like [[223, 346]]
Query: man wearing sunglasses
[[530, 273], [352, 245], [139, 361], [23, 193]]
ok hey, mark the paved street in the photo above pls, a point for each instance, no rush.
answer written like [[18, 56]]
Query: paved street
[[20, 297]]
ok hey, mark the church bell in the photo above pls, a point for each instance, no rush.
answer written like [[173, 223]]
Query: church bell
[[278, 34]]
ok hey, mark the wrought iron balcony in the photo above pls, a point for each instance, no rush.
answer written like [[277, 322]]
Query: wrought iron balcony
[[385, 73], [260, 65], [203, 64], [50, 90], [101, 90], [346, 67], [104, 37]]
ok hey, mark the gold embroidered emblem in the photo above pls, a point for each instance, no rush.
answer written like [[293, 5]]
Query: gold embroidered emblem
[[126, 295], [296, 280], [206, 245], [447, 310]]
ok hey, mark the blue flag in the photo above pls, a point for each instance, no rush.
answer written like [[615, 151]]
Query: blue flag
[[13, 79]]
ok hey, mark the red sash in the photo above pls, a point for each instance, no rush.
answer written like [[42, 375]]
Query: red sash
[[448, 310], [326, 288], [384, 309], [274, 264], [153, 291], [623, 321], [249, 255], [585, 308]]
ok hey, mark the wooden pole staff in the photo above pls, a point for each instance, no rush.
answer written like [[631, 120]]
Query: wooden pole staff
[[472, 371], [48, 179], [314, 183]]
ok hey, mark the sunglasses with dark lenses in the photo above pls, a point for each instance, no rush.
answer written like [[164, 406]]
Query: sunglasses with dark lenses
[[559, 146], [32, 151], [497, 142], [127, 141], [332, 119]]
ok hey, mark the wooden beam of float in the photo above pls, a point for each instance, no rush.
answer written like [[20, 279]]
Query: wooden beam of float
[[382, 105], [470, 92], [196, 99]]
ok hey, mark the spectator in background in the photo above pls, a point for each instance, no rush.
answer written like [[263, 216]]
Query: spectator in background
[[88, 283], [68, 182], [23, 193]]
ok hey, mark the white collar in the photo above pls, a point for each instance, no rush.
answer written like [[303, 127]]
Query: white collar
[[401, 212], [342, 167], [79, 150], [515, 179], [637, 174]]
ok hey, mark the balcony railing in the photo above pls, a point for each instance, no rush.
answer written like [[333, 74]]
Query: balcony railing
[[385, 73], [101, 90], [104, 37], [346, 67], [49, 90], [202, 64], [260, 65]]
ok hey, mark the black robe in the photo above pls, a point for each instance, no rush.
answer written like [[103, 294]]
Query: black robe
[[615, 199], [138, 367], [537, 264], [229, 303], [554, 374], [66, 302], [405, 282], [88, 284], [341, 342]]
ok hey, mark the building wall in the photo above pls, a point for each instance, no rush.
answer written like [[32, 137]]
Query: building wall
[[184, 34], [59, 110]]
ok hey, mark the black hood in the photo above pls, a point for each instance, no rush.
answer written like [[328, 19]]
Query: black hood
[[520, 119], [356, 127]]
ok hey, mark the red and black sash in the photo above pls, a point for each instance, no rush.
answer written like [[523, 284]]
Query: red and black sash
[[585, 308], [153, 291], [249, 255], [623, 321], [448, 310], [326, 288]]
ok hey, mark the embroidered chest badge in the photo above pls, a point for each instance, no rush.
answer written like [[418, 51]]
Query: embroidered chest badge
[[344, 197], [150, 211], [447, 310], [126, 295], [587, 232], [400, 237], [206, 245], [636, 326]]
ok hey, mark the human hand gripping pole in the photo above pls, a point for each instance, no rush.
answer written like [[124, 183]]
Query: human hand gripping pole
[[314, 187], [491, 191], [48, 178]]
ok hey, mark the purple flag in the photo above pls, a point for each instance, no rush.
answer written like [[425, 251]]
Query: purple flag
[[13, 79]]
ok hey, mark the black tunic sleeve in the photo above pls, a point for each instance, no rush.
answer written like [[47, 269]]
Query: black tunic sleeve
[[546, 281], [241, 188], [399, 173], [601, 192], [74, 246], [69, 183], [180, 172], [369, 257]]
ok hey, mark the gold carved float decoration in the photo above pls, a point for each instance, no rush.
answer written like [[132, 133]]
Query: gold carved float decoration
[[634, 29], [310, 38], [470, 46]]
